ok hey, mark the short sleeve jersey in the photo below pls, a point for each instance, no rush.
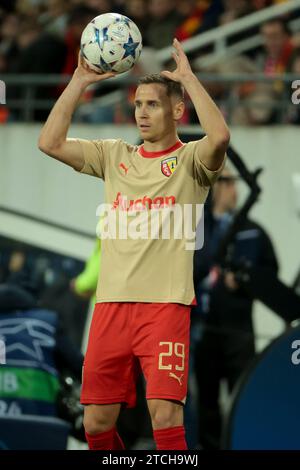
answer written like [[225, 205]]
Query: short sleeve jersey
[[151, 269]]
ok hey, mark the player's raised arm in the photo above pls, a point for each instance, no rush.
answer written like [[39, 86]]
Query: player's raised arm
[[53, 138], [217, 133]]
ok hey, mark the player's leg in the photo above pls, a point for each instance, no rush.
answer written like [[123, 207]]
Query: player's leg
[[167, 423], [163, 350], [100, 426], [100, 418], [165, 413], [107, 373]]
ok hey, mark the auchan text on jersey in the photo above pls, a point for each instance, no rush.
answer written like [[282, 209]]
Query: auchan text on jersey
[[143, 203]]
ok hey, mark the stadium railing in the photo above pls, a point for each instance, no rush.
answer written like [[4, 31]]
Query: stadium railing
[[219, 36], [28, 84]]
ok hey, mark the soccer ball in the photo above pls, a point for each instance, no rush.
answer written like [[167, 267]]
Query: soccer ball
[[111, 43]]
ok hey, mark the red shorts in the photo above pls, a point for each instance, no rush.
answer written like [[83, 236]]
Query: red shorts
[[127, 338]]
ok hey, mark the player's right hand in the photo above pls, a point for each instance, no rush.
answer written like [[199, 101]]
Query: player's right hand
[[86, 75]]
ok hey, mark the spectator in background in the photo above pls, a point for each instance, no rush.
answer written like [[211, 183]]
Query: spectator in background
[[137, 10], [41, 50], [78, 18], [224, 309], [9, 31], [38, 52], [258, 103], [277, 48], [28, 8], [234, 9], [212, 14], [163, 22], [274, 59], [251, 103], [260, 4], [54, 19], [193, 12]]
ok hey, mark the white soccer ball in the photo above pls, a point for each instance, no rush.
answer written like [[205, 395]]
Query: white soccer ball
[[111, 43]]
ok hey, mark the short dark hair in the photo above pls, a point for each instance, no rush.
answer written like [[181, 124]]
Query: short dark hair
[[172, 88]]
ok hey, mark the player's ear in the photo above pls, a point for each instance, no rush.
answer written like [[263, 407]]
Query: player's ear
[[178, 110]]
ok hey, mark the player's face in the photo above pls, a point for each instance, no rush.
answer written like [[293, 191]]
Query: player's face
[[154, 112]]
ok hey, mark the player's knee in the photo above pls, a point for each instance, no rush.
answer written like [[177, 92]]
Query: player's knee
[[97, 420], [166, 415], [95, 425]]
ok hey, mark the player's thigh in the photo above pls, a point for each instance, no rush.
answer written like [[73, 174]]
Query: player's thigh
[[109, 362], [163, 351]]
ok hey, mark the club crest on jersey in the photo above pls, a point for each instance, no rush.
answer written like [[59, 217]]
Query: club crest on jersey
[[168, 166]]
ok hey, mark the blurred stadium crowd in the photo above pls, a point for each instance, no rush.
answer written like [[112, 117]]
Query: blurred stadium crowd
[[43, 37], [23, 22]]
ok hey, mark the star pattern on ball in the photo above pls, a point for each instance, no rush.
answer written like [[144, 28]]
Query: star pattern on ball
[[123, 19], [104, 66], [101, 36], [130, 48], [126, 21]]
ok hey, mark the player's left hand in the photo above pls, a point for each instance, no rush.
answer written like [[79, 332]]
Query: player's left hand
[[183, 69]]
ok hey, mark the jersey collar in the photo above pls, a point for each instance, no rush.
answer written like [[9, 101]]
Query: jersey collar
[[146, 154]]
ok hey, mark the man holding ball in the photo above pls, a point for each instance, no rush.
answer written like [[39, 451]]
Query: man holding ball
[[145, 290]]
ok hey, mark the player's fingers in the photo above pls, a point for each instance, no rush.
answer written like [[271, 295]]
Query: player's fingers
[[175, 57], [178, 48], [84, 64], [110, 74], [104, 76], [167, 74]]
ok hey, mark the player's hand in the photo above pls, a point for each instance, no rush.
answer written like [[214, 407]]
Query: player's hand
[[86, 75], [183, 69]]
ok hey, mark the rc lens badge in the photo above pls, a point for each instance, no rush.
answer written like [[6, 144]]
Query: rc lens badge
[[168, 166]]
